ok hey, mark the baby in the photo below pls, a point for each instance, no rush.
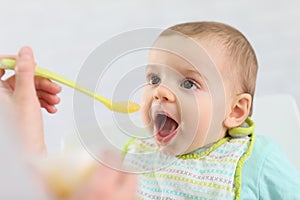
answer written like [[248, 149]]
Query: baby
[[196, 106]]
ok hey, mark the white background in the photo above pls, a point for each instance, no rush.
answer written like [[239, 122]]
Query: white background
[[63, 33]]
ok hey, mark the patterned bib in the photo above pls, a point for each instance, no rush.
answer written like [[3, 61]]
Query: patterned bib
[[214, 173]]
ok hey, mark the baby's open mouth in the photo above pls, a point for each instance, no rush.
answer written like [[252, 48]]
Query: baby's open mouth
[[165, 127]]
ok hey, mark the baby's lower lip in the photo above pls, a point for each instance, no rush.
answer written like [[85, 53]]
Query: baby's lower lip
[[166, 139]]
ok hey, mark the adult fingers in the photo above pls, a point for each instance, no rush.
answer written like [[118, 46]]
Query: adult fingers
[[51, 99], [47, 85], [40, 84], [24, 70], [50, 108]]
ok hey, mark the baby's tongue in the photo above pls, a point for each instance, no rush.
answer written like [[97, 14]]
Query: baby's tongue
[[167, 126]]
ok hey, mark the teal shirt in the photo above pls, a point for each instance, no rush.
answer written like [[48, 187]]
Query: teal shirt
[[267, 173]]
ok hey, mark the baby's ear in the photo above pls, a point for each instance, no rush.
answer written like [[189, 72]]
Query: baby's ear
[[239, 111]]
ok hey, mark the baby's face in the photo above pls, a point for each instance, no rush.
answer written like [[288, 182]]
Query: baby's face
[[176, 104], [183, 106]]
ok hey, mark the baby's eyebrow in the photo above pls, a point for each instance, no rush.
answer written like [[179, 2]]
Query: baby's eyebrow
[[152, 68], [195, 73]]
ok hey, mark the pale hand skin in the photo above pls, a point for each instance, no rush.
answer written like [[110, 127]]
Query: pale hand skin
[[46, 90], [108, 184], [23, 95]]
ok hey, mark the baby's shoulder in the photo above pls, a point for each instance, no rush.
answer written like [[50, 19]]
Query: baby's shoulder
[[264, 141], [267, 173], [263, 149]]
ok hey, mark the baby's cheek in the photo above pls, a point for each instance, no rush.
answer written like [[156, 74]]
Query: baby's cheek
[[145, 117], [146, 107], [146, 113]]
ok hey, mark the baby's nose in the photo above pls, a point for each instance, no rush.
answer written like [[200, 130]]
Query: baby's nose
[[164, 94]]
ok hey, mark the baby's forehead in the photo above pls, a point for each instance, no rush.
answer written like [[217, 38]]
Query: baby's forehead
[[182, 63], [189, 50]]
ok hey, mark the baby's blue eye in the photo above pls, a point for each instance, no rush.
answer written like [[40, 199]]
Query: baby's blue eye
[[154, 80], [188, 84]]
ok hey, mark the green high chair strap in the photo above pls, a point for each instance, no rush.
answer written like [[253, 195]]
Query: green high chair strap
[[248, 129]]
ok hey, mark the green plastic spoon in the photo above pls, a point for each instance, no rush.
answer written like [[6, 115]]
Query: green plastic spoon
[[122, 107]]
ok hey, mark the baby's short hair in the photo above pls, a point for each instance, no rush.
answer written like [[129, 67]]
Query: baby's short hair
[[239, 51]]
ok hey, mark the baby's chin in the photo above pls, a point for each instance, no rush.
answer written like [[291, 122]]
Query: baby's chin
[[171, 149]]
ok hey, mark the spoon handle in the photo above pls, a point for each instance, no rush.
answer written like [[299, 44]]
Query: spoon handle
[[55, 77], [10, 64]]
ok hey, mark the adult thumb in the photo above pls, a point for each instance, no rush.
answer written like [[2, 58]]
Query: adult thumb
[[24, 72]]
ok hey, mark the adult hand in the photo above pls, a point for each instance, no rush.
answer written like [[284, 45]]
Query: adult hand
[[20, 102], [46, 90]]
